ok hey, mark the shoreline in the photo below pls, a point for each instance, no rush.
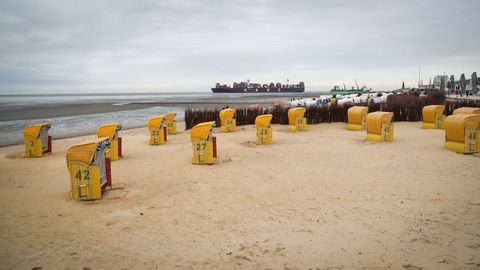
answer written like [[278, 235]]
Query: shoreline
[[53, 111], [77, 135]]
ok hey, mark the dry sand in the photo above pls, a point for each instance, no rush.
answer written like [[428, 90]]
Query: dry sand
[[322, 199]]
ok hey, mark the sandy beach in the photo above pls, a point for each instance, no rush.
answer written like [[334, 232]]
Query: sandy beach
[[322, 199]]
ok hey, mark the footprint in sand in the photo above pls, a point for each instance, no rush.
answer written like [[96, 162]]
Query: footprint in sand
[[15, 155], [258, 249], [116, 194], [410, 266], [446, 259], [249, 144]]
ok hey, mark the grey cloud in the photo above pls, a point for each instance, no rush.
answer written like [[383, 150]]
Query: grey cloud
[[98, 45]]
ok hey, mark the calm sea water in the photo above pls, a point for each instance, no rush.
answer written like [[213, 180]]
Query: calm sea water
[[52, 99], [11, 132], [67, 126]]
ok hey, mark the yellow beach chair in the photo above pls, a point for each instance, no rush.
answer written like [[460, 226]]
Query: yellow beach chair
[[204, 143], [37, 141], [461, 133], [158, 132], [171, 123], [227, 120], [89, 169], [264, 131], [433, 116], [380, 127], [467, 110], [296, 119], [110, 131], [357, 118]]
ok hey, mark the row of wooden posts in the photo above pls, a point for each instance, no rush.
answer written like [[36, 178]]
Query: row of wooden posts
[[89, 163], [405, 107]]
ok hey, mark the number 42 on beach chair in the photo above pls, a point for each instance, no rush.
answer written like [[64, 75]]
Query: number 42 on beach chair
[[89, 169]]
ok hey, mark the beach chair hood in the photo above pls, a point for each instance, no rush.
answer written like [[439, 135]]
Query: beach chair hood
[[467, 110], [34, 130], [85, 152], [202, 130], [263, 120], [170, 117], [355, 114], [109, 130], [156, 121]]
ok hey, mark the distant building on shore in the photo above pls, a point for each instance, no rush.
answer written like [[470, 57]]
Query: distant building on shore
[[461, 86], [439, 84]]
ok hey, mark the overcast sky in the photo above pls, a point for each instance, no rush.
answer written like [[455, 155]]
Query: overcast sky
[[127, 46]]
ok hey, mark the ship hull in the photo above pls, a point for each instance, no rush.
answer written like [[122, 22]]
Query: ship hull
[[259, 90]]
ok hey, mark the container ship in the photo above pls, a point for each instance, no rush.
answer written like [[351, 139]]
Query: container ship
[[247, 87]]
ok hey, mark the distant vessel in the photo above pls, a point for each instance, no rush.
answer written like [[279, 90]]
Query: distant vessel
[[337, 90], [247, 87]]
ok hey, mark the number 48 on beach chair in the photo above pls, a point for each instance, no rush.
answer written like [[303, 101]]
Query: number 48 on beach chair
[[462, 132], [37, 140], [204, 143], [89, 169]]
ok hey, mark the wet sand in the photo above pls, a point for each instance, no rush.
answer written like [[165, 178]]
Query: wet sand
[[208, 101], [50, 111], [322, 199]]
